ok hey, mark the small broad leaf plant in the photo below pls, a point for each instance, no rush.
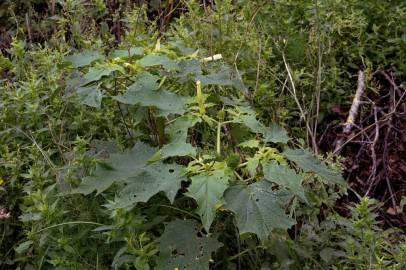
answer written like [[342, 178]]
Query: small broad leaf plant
[[194, 141]]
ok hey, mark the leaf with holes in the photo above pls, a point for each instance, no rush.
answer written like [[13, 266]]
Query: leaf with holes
[[308, 163], [152, 179], [285, 177], [207, 189], [118, 168], [257, 208], [182, 246]]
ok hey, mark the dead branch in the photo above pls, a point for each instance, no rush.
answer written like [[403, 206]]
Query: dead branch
[[353, 111]]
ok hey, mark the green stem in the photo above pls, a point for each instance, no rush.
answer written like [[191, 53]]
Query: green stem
[[69, 223], [180, 210], [218, 138], [243, 252]]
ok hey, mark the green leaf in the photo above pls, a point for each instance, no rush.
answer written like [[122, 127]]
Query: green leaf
[[252, 123], [182, 246], [285, 177], [222, 78], [24, 246], [72, 82], [177, 149], [84, 58], [275, 133], [188, 69], [118, 168], [252, 165], [125, 53], [90, 96], [96, 73], [257, 208], [167, 102], [308, 163], [178, 129], [207, 189], [158, 60], [144, 92], [239, 85], [5, 63], [144, 81], [154, 178], [181, 47], [250, 144], [177, 132]]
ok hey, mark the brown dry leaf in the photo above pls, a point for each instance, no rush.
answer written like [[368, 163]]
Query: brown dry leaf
[[394, 211]]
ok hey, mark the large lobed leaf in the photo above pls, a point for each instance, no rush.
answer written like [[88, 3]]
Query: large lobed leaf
[[177, 132], [158, 60], [90, 96], [144, 91], [274, 133], [133, 51], [158, 177], [308, 163], [118, 168], [84, 58], [96, 73], [222, 78], [144, 81], [141, 180], [167, 102], [257, 208], [182, 247], [285, 177], [207, 189], [188, 69]]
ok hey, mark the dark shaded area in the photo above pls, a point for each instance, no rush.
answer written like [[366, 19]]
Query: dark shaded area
[[375, 151]]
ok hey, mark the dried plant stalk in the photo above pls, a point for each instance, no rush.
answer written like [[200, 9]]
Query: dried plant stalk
[[353, 111]]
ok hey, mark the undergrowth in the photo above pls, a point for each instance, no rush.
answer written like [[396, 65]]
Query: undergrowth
[[189, 148]]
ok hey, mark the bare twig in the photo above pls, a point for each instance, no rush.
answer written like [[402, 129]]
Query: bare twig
[[385, 152], [353, 111], [258, 67], [28, 26], [52, 7], [372, 177]]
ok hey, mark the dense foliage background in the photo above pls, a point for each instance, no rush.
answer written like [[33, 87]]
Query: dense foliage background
[[200, 134]]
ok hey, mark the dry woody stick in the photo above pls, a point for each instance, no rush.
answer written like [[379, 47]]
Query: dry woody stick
[[353, 111]]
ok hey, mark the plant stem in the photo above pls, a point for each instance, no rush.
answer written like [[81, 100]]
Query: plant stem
[[218, 138], [69, 223], [302, 113]]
